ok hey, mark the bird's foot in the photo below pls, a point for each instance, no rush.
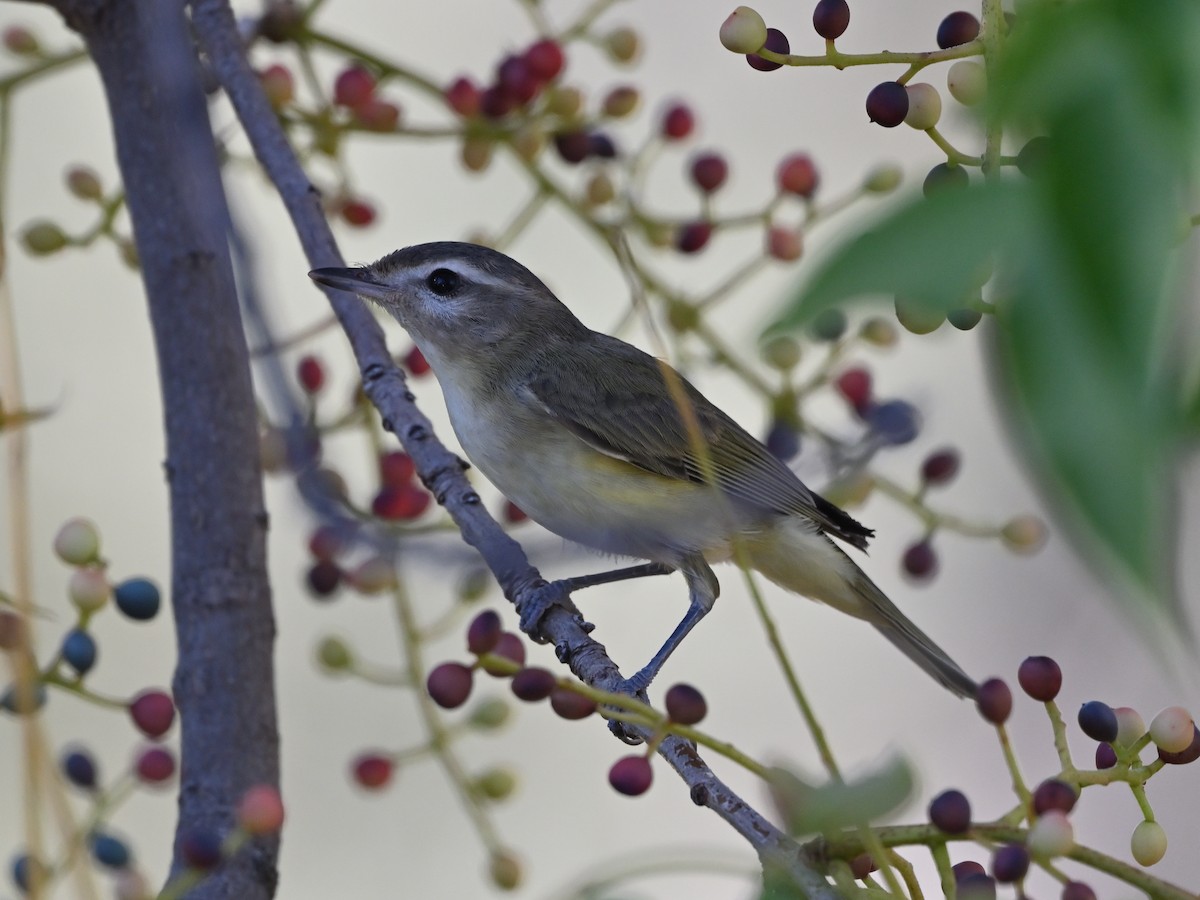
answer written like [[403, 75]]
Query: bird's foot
[[538, 601], [625, 731]]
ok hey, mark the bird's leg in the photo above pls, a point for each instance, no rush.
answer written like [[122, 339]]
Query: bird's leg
[[642, 571], [556, 592], [703, 589]]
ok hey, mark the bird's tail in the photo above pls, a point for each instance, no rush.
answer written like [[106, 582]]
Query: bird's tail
[[811, 564]]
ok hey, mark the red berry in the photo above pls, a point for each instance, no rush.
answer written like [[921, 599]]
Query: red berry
[[155, 765], [449, 684], [831, 18], [396, 468], [797, 175], [709, 171], [260, 811], [1054, 794], [463, 96], [358, 213], [920, 560], [994, 701], [152, 712], [678, 122], [372, 771], [855, 386], [484, 632], [693, 237], [311, 374], [776, 42], [950, 811], [377, 115], [631, 775], [784, 243], [887, 104], [533, 684], [324, 577], [545, 59], [327, 542], [685, 705], [1040, 677], [401, 503], [940, 467], [353, 87], [513, 513], [571, 705], [957, 28], [415, 362]]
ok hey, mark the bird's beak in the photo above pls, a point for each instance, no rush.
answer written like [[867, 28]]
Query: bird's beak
[[355, 281]]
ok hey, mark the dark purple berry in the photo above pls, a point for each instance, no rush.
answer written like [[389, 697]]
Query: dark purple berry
[[831, 18], [776, 42], [1106, 756], [977, 886], [80, 769], [1040, 677], [685, 705], [1098, 721], [631, 775], [994, 701], [966, 869], [79, 650], [940, 466], [1054, 794], [324, 577], [709, 171], [957, 28], [510, 647], [152, 712], [601, 146], [693, 237], [895, 421], [484, 632], [942, 176], [570, 705], [950, 811], [533, 684], [783, 440], [200, 848], [887, 104], [573, 146], [1077, 890], [138, 598], [920, 560], [449, 685], [1010, 863]]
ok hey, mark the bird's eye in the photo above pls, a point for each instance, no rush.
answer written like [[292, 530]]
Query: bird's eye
[[443, 282]]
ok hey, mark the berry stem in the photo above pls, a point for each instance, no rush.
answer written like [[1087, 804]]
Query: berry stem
[[1010, 760], [832, 57], [953, 154], [1059, 728], [992, 38]]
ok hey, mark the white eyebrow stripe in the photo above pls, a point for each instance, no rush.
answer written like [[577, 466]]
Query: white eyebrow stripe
[[464, 268]]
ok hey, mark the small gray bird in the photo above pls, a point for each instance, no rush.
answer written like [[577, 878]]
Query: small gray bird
[[586, 434]]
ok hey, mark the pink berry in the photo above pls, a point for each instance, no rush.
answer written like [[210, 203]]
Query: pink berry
[[855, 386], [545, 59], [260, 811], [631, 775], [785, 244], [155, 765], [1172, 729], [797, 175], [463, 96], [278, 84], [994, 701], [353, 86], [152, 712], [377, 115]]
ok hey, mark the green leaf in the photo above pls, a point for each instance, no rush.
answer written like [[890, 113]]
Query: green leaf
[[831, 807], [931, 251]]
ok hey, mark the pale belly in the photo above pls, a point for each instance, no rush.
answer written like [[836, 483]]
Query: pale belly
[[589, 497]]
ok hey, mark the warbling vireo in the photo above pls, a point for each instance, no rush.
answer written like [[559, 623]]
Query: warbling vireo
[[585, 433]]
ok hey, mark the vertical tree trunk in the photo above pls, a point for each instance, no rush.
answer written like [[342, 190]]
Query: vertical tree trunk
[[224, 683]]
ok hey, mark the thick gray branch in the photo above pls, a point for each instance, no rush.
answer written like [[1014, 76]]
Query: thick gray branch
[[439, 469], [224, 683]]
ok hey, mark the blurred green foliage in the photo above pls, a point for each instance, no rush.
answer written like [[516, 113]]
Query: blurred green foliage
[[1091, 339]]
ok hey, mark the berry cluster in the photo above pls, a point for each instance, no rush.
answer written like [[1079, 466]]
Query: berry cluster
[[44, 237]]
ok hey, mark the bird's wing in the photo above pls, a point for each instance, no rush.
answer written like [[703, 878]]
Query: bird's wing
[[630, 417]]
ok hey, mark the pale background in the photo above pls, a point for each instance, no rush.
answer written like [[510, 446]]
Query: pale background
[[85, 347]]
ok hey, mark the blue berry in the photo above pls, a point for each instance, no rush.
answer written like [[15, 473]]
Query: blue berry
[[110, 851], [1098, 721], [79, 650], [80, 769], [895, 421], [23, 867], [138, 598], [783, 440]]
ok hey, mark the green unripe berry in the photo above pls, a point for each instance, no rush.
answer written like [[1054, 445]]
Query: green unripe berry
[[1148, 843], [43, 238], [334, 655], [744, 31], [883, 179], [490, 713], [77, 542]]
